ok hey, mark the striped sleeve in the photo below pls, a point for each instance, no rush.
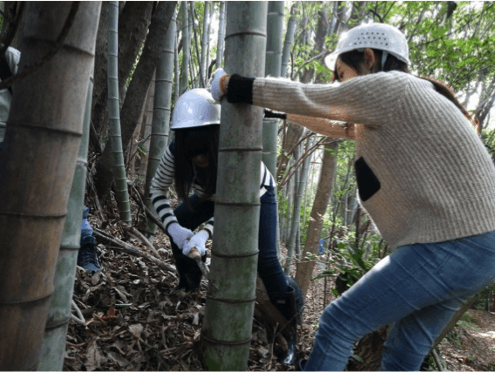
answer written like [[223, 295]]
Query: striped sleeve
[[266, 178], [160, 186]]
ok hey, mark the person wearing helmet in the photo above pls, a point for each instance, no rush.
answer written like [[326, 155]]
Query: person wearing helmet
[[424, 177], [191, 162]]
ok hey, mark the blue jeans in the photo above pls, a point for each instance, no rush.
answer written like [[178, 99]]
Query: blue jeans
[[269, 268], [418, 289]]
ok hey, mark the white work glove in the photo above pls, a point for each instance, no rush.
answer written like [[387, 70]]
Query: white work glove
[[179, 234], [215, 89], [197, 241]]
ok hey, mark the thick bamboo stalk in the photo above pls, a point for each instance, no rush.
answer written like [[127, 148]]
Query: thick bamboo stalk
[[161, 114], [177, 71], [59, 314], [227, 326], [198, 58], [37, 168], [119, 168], [295, 225], [186, 48], [273, 56], [221, 34], [205, 37], [288, 41]]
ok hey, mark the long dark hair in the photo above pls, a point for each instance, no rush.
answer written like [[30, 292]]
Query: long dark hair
[[188, 143], [355, 59]]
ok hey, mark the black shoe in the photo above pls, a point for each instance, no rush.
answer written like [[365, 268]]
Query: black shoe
[[87, 255], [190, 274], [290, 305]]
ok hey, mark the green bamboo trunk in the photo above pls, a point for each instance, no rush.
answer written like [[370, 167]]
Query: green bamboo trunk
[[59, 313], [186, 47], [275, 23], [295, 225], [221, 34], [161, 115], [119, 168], [288, 41], [37, 170], [273, 56], [230, 303], [205, 37]]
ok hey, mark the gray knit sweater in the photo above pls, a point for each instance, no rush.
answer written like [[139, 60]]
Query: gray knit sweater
[[423, 174]]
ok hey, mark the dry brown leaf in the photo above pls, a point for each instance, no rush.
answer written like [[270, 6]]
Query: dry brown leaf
[[94, 357], [196, 319], [119, 359], [136, 330]]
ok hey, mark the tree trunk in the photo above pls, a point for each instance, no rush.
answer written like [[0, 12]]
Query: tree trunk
[[59, 313], [161, 115], [221, 34], [293, 135], [119, 168], [300, 182], [288, 41], [146, 129], [324, 188], [186, 47], [41, 146], [205, 37], [177, 71], [136, 94], [133, 26], [273, 56], [231, 298]]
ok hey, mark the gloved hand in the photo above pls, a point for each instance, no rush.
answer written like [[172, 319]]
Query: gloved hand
[[197, 241], [218, 77], [274, 114], [179, 234]]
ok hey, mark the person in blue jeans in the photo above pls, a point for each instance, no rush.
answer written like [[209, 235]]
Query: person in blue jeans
[[190, 162], [423, 175], [87, 254]]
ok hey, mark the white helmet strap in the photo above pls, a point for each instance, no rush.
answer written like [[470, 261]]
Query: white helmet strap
[[384, 58]]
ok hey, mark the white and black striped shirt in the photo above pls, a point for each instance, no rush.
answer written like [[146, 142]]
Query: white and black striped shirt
[[164, 178]]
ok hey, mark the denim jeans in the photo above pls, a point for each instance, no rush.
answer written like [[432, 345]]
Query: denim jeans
[[269, 268], [417, 289]]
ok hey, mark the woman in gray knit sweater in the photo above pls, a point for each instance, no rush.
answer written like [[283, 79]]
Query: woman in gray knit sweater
[[424, 177]]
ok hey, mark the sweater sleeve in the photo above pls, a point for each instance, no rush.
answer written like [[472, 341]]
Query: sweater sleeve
[[370, 99], [349, 131], [160, 186]]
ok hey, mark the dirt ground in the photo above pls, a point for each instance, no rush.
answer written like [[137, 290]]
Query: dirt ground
[[135, 320]]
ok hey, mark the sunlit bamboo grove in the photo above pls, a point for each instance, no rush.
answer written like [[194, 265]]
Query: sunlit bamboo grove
[[101, 80]]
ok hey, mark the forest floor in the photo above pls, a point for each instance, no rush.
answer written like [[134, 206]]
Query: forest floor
[[135, 320]]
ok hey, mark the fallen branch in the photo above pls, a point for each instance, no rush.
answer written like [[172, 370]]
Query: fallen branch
[[133, 250], [150, 215], [80, 318], [436, 359], [131, 230]]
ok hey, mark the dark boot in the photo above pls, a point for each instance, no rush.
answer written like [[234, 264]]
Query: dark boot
[[290, 305], [87, 255], [189, 273]]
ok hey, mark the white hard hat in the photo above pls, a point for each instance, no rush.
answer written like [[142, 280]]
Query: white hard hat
[[372, 35], [195, 108]]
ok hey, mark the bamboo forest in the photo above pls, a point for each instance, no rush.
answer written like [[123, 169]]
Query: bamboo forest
[[165, 164]]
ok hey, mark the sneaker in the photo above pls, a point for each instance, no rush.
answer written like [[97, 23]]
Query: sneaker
[[87, 255]]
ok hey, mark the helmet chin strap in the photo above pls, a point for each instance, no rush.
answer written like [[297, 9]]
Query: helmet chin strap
[[383, 60]]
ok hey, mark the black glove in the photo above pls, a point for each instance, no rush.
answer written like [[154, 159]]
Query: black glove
[[273, 114]]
